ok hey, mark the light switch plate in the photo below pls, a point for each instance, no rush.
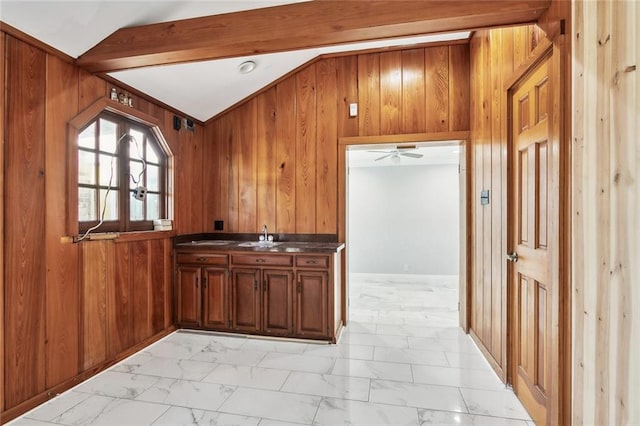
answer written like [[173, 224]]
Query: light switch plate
[[353, 110]]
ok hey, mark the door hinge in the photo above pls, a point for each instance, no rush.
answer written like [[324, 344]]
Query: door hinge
[[458, 306]]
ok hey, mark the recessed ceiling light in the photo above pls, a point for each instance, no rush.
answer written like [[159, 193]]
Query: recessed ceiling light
[[246, 67]]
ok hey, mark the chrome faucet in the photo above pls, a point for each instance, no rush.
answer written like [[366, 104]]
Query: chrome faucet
[[265, 232]]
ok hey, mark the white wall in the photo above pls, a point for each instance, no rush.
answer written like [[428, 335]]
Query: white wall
[[404, 215]]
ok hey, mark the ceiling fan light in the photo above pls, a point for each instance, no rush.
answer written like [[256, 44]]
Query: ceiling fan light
[[395, 159]]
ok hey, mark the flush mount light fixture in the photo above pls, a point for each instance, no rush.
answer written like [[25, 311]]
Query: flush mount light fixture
[[246, 67]]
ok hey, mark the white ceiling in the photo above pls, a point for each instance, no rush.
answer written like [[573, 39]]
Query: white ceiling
[[366, 156], [199, 89]]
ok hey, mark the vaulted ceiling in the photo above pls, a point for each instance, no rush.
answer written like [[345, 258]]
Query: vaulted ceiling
[[186, 53]]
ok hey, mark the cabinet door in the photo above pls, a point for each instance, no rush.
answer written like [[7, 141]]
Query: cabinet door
[[277, 302], [311, 304], [188, 306], [215, 298], [245, 300]]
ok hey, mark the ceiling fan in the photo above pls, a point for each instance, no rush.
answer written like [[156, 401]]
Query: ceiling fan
[[395, 154]]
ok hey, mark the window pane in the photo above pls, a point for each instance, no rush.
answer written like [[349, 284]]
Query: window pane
[[87, 138], [111, 212], [87, 204], [136, 148], [136, 177], [152, 155], [152, 178], [153, 206], [108, 170], [86, 167], [108, 136], [136, 209]]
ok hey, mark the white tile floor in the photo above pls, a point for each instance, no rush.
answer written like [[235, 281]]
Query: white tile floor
[[401, 361]]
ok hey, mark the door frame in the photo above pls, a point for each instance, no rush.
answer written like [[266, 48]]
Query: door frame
[[559, 411], [436, 138]]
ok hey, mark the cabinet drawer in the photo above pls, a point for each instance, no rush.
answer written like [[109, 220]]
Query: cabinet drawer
[[312, 261], [203, 258], [262, 259]]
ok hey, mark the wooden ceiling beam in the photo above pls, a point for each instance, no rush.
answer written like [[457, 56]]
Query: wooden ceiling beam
[[298, 26]]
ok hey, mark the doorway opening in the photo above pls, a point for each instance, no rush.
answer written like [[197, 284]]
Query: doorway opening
[[403, 234]]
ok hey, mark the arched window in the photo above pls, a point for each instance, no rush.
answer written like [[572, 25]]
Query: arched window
[[122, 175]]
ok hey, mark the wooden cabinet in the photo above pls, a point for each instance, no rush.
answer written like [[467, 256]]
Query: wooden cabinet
[[275, 294], [312, 294], [202, 291]]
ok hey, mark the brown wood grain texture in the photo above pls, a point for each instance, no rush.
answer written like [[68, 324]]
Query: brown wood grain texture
[[437, 88], [235, 154], [347, 83], [189, 181], [286, 157], [266, 158], [97, 276], [459, 87], [167, 258], [326, 146], [311, 23], [369, 94], [520, 45], [24, 216], [413, 91], [247, 169], [157, 284], [90, 88], [120, 302], [141, 290], [2, 195], [306, 151], [391, 93], [223, 148], [210, 181], [62, 291]]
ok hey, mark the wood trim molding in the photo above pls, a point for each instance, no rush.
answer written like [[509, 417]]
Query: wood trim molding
[[298, 26]]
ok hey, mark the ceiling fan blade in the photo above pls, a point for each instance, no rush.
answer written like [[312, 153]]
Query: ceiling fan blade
[[411, 154], [383, 157], [382, 152]]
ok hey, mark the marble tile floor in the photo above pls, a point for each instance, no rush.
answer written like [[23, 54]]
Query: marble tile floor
[[401, 361]]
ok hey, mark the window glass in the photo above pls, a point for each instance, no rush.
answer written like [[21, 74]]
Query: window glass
[[87, 138], [108, 136], [108, 170], [110, 200], [152, 175], [153, 206], [87, 204], [86, 167]]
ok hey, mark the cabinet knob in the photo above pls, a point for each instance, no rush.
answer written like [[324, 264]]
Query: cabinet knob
[[260, 260], [201, 259], [311, 262]]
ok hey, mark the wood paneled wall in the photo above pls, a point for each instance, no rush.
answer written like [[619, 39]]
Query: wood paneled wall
[[606, 208], [494, 56], [274, 160], [56, 294]]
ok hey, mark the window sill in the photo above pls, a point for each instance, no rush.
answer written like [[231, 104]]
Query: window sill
[[124, 237]]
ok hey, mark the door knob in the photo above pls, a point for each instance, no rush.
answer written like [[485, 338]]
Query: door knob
[[512, 257]]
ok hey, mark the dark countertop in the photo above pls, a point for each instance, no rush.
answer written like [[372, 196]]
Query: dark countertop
[[245, 245]]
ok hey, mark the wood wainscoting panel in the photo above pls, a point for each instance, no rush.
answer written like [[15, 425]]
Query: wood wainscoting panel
[[247, 169], [2, 207], [437, 88], [141, 289], [369, 94], [326, 147], [286, 156], [605, 210], [305, 151], [266, 157], [24, 239], [391, 71], [97, 274], [62, 284], [120, 302], [414, 117]]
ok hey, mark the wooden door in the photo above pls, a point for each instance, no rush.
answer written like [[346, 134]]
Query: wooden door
[[245, 300], [215, 293], [534, 273], [277, 302], [311, 304], [188, 306]]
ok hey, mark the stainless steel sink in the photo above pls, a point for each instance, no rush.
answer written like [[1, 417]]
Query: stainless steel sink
[[259, 244]]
